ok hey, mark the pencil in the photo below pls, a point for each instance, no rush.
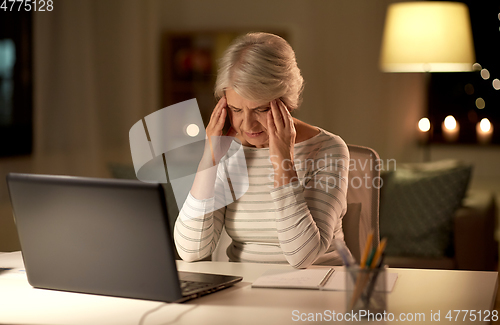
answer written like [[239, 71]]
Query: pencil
[[368, 244], [362, 279], [378, 254]]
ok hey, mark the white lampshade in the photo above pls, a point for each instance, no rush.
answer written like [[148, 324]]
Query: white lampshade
[[427, 36]]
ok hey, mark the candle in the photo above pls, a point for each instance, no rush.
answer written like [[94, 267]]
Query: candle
[[424, 126], [450, 129], [484, 131]]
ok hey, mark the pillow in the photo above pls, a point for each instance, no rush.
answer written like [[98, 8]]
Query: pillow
[[418, 202]]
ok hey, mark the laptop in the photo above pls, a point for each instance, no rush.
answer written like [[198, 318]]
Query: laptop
[[101, 236]]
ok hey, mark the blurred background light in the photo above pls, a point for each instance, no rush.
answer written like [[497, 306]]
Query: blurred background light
[[485, 74], [476, 67], [450, 123], [496, 84], [192, 130], [424, 124], [485, 125], [480, 103], [469, 89]]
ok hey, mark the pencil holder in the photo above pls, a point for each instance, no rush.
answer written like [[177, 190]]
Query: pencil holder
[[366, 291]]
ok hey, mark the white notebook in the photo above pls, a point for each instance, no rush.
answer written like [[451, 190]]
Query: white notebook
[[294, 279], [316, 279]]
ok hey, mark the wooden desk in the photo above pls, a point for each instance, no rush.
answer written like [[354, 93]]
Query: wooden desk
[[416, 291]]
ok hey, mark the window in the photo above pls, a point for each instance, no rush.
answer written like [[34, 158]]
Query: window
[[471, 96], [16, 85]]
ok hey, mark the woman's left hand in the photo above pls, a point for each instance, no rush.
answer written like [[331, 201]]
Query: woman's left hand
[[282, 134]]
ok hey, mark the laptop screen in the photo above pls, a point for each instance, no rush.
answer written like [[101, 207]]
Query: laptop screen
[[101, 236]]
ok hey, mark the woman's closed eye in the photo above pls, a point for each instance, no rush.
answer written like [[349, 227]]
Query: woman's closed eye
[[259, 110]]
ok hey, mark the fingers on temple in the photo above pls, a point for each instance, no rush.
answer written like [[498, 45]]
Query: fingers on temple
[[270, 121], [219, 107], [277, 115], [222, 118], [287, 118]]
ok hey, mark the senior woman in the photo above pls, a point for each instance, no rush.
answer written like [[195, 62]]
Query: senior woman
[[297, 173]]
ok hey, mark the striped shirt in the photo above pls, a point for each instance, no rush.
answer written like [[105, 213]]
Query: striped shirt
[[294, 223]]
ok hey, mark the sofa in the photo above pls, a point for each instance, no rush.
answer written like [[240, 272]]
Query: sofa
[[473, 237], [432, 220]]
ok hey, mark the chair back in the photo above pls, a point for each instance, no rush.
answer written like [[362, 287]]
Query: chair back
[[363, 195]]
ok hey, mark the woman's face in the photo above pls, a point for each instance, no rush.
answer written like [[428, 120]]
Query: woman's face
[[249, 119]]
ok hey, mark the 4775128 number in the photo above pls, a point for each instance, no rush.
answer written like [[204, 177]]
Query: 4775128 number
[[27, 5], [472, 315]]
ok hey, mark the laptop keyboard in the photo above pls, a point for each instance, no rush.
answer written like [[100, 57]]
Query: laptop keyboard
[[190, 286]]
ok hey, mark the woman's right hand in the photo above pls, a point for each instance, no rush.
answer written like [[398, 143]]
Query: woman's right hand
[[217, 119], [217, 146]]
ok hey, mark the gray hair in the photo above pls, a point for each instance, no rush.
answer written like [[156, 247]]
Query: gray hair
[[261, 67]]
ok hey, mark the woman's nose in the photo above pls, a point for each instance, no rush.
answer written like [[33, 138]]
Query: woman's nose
[[248, 121]]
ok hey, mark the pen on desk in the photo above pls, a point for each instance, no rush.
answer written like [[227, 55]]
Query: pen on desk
[[371, 286], [376, 263], [361, 281], [327, 276], [371, 257], [378, 254]]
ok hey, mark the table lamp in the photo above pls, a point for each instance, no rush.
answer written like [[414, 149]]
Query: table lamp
[[427, 36]]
